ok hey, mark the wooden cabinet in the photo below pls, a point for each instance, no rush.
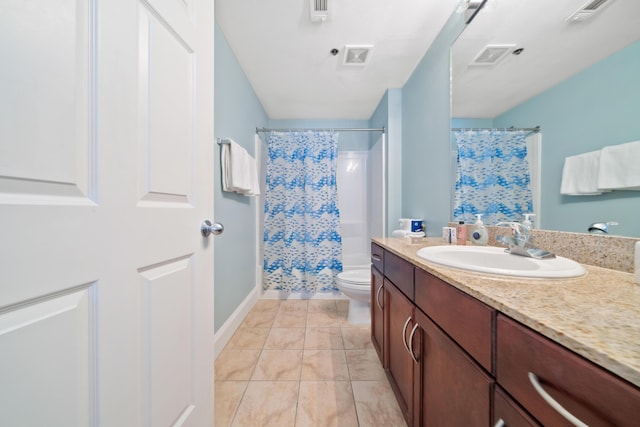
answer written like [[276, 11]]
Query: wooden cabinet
[[453, 390], [588, 392], [377, 316], [454, 361], [435, 381]]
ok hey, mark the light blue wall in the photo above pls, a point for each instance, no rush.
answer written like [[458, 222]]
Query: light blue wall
[[426, 134], [597, 107], [388, 114], [237, 113]]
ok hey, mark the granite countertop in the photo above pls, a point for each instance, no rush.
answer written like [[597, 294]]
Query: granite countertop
[[596, 315]]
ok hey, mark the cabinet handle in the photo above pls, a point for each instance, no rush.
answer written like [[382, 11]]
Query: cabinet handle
[[500, 423], [413, 331], [553, 403], [376, 257], [404, 335], [378, 297]]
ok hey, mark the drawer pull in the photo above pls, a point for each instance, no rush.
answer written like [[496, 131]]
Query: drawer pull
[[413, 331], [552, 402], [376, 257], [500, 423], [378, 297], [404, 335]]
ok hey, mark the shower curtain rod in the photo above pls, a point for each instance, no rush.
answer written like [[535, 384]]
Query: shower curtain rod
[[258, 130], [535, 129]]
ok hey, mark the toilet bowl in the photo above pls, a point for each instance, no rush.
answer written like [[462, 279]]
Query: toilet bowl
[[356, 284]]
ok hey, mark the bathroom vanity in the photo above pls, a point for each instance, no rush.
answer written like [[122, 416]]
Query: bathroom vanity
[[468, 349]]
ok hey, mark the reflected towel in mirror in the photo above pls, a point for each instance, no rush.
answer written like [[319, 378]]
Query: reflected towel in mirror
[[580, 175], [620, 167]]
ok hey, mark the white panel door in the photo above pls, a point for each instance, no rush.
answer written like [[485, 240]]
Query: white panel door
[[106, 143]]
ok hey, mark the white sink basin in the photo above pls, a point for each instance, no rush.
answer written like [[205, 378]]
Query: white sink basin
[[494, 260]]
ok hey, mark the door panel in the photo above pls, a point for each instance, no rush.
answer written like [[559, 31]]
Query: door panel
[[29, 170], [167, 299], [50, 369], [167, 119]]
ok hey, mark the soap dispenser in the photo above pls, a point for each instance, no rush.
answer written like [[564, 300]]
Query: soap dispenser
[[479, 235], [528, 222]]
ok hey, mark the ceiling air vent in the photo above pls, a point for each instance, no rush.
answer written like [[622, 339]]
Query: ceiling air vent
[[492, 53], [357, 55], [319, 10], [588, 10]]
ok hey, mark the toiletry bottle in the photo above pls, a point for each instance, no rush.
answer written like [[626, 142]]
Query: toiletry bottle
[[461, 233], [528, 222], [479, 235]]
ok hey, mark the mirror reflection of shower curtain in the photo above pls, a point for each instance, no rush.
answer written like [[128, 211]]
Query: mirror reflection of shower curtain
[[534, 157], [492, 176], [302, 242]]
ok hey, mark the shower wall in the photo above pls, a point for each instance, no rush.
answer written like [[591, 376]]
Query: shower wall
[[360, 198]]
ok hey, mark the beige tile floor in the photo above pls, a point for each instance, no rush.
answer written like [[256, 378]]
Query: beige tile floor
[[300, 363]]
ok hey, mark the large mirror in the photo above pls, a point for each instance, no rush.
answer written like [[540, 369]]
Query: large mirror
[[571, 67]]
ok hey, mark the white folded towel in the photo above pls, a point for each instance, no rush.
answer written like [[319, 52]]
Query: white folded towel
[[620, 167], [239, 170], [580, 175]]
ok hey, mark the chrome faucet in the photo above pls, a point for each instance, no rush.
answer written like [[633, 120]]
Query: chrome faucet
[[601, 227], [520, 241]]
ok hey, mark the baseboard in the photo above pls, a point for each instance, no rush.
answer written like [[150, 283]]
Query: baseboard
[[224, 334]]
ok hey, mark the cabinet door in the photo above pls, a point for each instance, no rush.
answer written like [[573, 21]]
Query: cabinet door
[[453, 389], [508, 413], [377, 312], [399, 320]]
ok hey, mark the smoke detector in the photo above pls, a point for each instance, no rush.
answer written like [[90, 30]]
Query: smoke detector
[[318, 10], [588, 10], [357, 54], [492, 54]]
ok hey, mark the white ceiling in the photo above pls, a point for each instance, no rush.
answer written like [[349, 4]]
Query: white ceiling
[[554, 50], [288, 62]]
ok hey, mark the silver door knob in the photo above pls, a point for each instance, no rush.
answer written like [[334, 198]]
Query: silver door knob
[[208, 228]]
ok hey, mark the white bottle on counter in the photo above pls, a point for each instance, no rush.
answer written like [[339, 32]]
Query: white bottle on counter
[[479, 235]]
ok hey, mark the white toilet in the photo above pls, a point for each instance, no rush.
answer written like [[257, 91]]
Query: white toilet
[[356, 284]]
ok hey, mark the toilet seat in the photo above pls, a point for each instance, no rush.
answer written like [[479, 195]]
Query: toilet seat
[[356, 277]]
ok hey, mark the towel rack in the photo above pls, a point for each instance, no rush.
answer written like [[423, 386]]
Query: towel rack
[[222, 141]]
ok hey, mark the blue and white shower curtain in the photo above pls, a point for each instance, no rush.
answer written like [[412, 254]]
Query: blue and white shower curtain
[[302, 242], [493, 176]]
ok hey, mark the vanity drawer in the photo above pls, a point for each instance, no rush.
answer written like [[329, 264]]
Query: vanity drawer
[[377, 257], [400, 273], [468, 321], [590, 393]]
